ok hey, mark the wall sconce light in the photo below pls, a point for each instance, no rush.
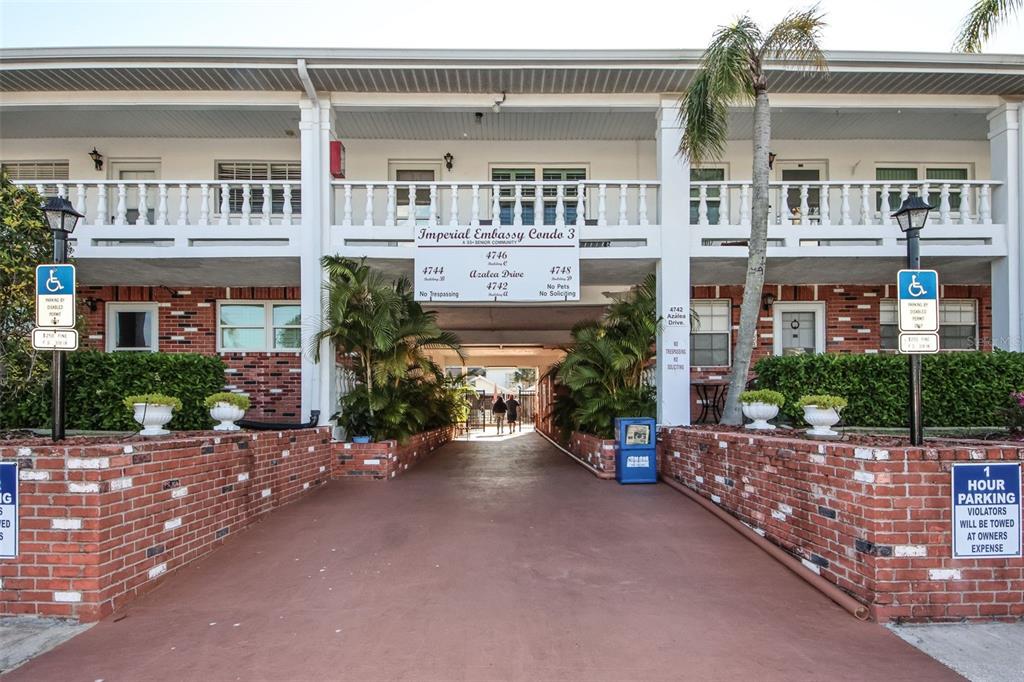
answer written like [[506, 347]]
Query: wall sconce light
[[496, 107], [449, 160], [92, 303], [767, 300], [771, 160], [97, 158]]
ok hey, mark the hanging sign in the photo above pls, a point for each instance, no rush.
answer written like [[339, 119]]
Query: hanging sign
[[986, 510], [508, 263], [8, 510], [55, 295]]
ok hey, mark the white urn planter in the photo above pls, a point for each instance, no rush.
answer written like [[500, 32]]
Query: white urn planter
[[760, 413], [227, 414], [152, 418], [821, 420]]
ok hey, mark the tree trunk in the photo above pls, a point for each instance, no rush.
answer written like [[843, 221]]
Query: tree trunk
[[750, 309]]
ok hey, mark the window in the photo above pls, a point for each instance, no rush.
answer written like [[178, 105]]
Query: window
[[714, 194], [798, 328], [939, 173], [36, 170], [259, 326], [256, 172], [710, 337], [958, 325], [132, 327], [570, 176]]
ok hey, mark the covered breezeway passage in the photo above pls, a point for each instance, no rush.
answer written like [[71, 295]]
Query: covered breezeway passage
[[491, 560]]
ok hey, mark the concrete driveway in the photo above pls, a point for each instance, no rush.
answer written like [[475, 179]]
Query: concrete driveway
[[496, 559]]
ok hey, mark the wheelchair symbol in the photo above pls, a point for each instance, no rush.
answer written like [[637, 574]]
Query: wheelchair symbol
[[915, 289], [53, 284]]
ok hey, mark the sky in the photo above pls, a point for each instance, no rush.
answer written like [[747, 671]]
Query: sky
[[890, 25]]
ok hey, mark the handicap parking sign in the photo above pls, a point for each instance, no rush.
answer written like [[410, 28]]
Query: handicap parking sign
[[55, 295], [918, 292]]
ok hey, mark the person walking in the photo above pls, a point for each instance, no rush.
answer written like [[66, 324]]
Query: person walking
[[499, 408], [513, 412]]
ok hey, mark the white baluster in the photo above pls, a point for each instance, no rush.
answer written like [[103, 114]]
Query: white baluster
[[286, 208], [182, 204], [389, 216], [204, 204], [346, 208], [642, 205], [744, 204], [602, 193], [885, 210], [80, 199], [985, 205], [453, 210], [904, 194], [805, 207], [581, 205], [784, 213], [623, 216], [101, 205], [474, 208], [161, 207], [702, 204], [538, 205], [143, 218], [411, 206], [62, 191], [266, 208], [560, 206], [432, 218], [944, 204], [121, 215], [723, 205], [40, 189], [923, 193], [246, 204], [965, 204], [225, 206], [368, 207], [495, 205], [844, 205], [517, 207], [824, 210], [865, 205]]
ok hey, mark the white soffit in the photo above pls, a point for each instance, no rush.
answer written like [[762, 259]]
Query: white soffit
[[54, 122]]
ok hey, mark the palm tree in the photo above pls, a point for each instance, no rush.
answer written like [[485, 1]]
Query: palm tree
[[981, 22], [732, 71]]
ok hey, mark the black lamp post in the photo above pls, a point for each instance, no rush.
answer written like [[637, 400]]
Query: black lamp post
[[63, 218], [912, 217]]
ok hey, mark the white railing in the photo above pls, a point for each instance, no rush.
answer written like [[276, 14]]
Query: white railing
[[843, 202], [590, 202], [166, 202]]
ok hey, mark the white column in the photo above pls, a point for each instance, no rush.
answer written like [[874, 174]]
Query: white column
[[315, 127], [673, 368], [1007, 154]]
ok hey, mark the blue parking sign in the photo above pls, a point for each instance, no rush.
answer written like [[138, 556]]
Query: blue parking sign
[[918, 285], [918, 304], [55, 295], [8, 510]]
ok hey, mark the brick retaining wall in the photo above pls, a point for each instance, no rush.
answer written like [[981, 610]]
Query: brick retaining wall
[[386, 459], [874, 521], [103, 523], [597, 452]]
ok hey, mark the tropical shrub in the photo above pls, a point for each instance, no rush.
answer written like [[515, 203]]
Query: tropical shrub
[[605, 369], [97, 384], [961, 389], [152, 399], [764, 395], [236, 399], [1015, 413]]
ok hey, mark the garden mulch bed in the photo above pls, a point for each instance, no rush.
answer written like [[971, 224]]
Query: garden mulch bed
[[24, 438], [866, 439]]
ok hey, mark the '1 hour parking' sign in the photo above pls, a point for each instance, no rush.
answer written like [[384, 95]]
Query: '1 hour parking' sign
[[986, 510], [8, 510]]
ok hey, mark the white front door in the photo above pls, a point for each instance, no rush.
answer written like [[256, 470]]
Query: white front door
[[799, 328], [794, 174], [132, 173], [422, 175]]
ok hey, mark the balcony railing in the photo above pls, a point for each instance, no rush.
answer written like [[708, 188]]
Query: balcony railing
[[398, 204], [166, 202]]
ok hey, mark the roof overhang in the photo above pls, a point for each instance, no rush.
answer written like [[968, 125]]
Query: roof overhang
[[484, 71]]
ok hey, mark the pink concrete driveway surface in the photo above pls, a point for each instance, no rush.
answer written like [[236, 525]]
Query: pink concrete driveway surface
[[491, 561]]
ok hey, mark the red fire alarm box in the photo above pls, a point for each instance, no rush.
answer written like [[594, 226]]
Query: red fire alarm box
[[337, 159]]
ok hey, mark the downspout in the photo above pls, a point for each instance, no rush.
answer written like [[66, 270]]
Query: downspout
[[300, 65]]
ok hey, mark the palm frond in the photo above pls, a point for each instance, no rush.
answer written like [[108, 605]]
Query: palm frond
[[797, 40], [980, 23]]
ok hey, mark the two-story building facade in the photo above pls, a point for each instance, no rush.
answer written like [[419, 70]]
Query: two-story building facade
[[211, 190]]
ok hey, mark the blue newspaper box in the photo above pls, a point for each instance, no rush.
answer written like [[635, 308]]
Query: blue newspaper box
[[635, 461]]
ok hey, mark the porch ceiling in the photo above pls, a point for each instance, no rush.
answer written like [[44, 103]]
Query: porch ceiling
[[234, 272], [810, 270]]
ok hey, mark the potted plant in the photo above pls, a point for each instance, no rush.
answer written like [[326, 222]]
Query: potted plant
[[355, 416], [760, 406], [821, 412], [226, 408], [152, 411]]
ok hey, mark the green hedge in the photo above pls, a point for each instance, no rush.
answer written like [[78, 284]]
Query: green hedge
[[958, 389], [98, 382]]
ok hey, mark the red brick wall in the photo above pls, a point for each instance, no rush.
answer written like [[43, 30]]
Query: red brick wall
[[187, 323], [103, 523], [874, 521], [386, 459], [597, 452]]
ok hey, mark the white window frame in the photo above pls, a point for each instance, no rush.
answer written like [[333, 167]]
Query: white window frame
[[24, 165], [268, 326], [894, 305], [257, 206], [538, 174], [728, 332], [110, 331], [977, 324], [816, 307], [723, 195]]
